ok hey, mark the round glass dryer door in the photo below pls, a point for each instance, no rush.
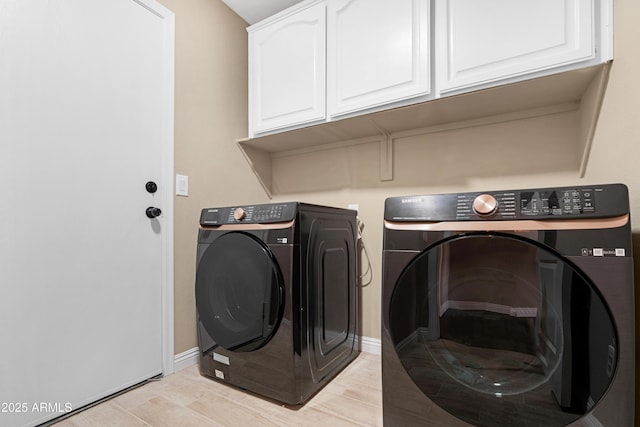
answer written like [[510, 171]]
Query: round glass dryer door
[[239, 292], [499, 331]]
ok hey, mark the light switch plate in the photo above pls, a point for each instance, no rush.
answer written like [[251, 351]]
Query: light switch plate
[[182, 185]]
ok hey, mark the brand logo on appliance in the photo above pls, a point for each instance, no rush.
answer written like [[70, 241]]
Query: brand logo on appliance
[[412, 200]]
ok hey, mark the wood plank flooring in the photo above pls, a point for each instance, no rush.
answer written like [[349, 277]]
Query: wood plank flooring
[[187, 399]]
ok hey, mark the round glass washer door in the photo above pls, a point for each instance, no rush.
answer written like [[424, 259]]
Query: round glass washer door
[[239, 292], [499, 331]]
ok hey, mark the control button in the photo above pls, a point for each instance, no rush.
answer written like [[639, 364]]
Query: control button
[[485, 205], [239, 214]]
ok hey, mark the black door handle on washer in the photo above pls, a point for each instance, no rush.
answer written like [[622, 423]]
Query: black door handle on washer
[[153, 212]]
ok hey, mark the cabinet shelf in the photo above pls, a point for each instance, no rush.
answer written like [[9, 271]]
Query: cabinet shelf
[[578, 90]]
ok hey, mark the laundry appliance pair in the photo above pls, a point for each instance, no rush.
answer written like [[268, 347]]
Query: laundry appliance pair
[[501, 308], [276, 297]]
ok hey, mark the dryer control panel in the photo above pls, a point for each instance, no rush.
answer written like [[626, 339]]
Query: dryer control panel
[[250, 214], [598, 201]]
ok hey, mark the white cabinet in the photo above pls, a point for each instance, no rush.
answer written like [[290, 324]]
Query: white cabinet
[[489, 42], [378, 53], [327, 60], [287, 69]]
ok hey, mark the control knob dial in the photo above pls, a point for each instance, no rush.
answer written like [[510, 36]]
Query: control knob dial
[[239, 214], [485, 205]]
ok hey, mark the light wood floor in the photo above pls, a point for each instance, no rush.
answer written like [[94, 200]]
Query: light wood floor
[[353, 398]]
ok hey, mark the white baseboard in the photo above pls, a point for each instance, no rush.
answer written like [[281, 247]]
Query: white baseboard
[[185, 359], [190, 357], [371, 345]]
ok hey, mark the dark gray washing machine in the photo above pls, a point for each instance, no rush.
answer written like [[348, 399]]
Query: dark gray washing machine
[[276, 297], [509, 308]]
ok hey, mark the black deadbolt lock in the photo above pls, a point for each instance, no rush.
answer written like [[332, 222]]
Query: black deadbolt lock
[[151, 187]]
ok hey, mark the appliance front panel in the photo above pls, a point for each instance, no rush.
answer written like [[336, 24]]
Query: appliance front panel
[[269, 367], [239, 292], [496, 329]]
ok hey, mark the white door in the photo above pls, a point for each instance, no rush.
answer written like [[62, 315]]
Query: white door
[[85, 121], [377, 53]]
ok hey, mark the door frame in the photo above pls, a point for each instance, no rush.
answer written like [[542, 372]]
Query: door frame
[[167, 173]]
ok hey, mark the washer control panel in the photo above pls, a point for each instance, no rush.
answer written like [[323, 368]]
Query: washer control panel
[[558, 203], [528, 203], [251, 214]]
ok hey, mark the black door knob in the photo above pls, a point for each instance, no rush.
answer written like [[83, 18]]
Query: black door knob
[[153, 212], [151, 187]]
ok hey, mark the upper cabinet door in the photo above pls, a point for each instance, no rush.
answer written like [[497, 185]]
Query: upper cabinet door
[[480, 43], [377, 53], [287, 69]]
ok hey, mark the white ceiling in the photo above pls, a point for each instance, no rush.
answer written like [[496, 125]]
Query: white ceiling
[[253, 11]]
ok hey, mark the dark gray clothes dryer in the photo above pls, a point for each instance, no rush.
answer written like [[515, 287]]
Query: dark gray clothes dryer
[[509, 308], [276, 297]]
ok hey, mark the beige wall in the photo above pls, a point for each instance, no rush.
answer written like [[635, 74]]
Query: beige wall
[[210, 113], [211, 94]]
